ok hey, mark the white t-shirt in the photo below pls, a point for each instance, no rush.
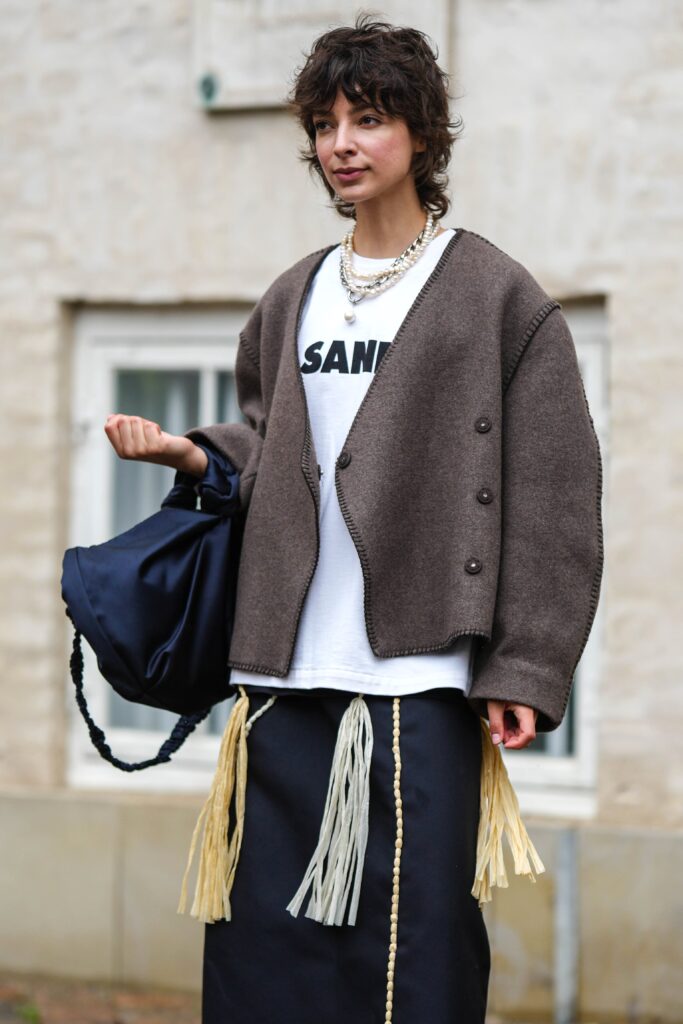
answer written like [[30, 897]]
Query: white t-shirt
[[337, 362]]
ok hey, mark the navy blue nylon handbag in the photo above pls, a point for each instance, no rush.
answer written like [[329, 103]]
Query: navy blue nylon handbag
[[156, 604]]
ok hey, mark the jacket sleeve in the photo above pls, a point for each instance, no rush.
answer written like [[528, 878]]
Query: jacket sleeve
[[242, 443], [552, 542]]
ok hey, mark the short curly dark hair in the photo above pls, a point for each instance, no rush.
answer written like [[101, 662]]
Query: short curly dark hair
[[398, 67]]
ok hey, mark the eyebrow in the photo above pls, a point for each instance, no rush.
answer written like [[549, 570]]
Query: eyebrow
[[359, 105]]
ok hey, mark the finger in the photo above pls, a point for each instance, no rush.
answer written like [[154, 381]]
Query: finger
[[110, 423], [140, 443], [496, 726], [137, 431], [111, 429], [527, 718], [511, 719], [522, 740], [127, 439], [525, 730]]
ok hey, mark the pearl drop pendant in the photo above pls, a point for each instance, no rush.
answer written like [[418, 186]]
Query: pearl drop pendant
[[349, 315]]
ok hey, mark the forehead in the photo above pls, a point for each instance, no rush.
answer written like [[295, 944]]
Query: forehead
[[361, 103]]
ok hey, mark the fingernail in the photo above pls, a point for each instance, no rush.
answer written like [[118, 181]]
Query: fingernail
[[495, 737]]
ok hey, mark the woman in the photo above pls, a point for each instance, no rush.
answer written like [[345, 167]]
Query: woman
[[373, 529]]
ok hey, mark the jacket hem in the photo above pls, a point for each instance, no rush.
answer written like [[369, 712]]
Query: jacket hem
[[399, 652], [436, 647]]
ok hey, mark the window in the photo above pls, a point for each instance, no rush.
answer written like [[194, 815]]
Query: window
[[175, 367], [243, 52], [556, 774]]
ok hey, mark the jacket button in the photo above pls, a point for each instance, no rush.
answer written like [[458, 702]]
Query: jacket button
[[482, 424], [472, 565], [485, 495], [344, 459]]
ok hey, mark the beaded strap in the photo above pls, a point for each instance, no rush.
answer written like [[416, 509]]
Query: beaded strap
[[257, 714], [393, 931]]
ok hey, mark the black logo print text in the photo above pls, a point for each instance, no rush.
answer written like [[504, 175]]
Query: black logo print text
[[365, 358]]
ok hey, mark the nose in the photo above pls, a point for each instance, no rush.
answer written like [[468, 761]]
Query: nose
[[343, 139]]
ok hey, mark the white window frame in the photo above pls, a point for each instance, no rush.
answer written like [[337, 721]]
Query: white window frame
[[106, 340], [556, 786]]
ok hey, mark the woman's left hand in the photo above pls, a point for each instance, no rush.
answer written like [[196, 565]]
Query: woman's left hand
[[514, 724]]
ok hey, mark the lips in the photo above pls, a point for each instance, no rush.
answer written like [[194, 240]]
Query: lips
[[349, 174]]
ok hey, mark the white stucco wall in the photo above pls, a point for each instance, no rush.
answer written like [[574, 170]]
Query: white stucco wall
[[116, 188]]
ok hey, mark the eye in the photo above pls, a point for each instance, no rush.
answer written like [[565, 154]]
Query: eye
[[370, 117], [317, 124]]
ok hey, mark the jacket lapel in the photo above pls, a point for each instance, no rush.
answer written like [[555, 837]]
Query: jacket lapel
[[309, 459]]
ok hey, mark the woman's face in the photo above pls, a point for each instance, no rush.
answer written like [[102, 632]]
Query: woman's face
[[378, 148]]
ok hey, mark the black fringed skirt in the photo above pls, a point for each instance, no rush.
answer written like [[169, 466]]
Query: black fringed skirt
[[266, 966]]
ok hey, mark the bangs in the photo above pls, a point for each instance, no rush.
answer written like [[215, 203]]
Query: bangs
[[366, 91]]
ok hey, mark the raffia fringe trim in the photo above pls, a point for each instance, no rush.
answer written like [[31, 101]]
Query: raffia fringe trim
[[219, 854], [344, 828], [499, 814]]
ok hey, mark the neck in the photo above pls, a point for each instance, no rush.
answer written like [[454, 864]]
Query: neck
[[380, 234]]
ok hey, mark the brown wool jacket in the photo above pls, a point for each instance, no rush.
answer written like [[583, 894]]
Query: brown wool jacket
[[470, 481]]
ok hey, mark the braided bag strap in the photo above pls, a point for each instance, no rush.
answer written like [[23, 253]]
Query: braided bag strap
[[185, 725]]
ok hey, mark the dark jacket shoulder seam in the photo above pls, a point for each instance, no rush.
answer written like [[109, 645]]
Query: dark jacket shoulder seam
[[492, 244], [538, 318], [253, 355]]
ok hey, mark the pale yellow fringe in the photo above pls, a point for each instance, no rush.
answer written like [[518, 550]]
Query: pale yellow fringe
[[340, 853], [499, 813], [219, 855]]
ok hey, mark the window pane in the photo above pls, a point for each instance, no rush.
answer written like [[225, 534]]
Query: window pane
[[171, 399], [228, 410]]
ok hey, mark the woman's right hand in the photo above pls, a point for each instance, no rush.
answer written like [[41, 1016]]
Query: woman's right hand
[[136, 438]]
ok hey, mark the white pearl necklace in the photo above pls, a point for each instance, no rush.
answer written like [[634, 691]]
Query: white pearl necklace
[[359, 286]]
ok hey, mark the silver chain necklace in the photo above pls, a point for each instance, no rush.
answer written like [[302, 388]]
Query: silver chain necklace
[[360, 286]]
